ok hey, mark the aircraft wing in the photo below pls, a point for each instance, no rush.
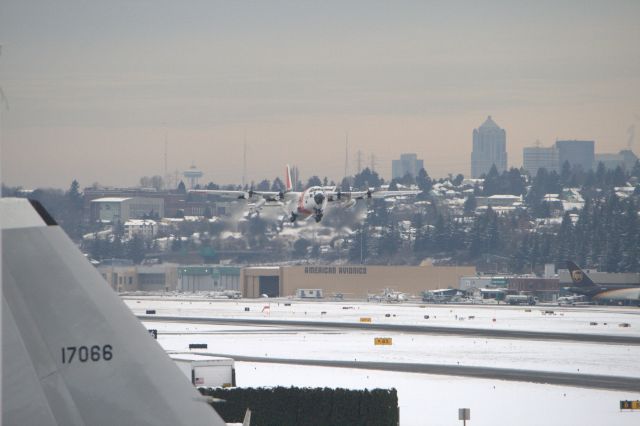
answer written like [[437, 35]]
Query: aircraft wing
[[243, 195], [392, 194], [361, 195], [72, 352]]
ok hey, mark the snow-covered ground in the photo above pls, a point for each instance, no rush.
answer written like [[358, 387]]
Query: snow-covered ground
[[349, 345], [423, 399], [563, 319], [427, 400]]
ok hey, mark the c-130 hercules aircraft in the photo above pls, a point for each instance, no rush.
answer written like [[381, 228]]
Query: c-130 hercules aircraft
[[311, 202]]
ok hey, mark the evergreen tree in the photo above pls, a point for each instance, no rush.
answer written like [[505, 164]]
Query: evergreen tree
[[300, 247], [359, 248], [470, 205], [71, 216], [564, 245], [424, 183], [366, 179], [635, 171], [565, 174], [390, 242], [630, 240], [345, 186], [135, 249], [277, 185], [264, 185], [491, 184], [314, 181]]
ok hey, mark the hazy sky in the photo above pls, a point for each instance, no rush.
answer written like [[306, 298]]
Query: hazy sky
[[94, 87]]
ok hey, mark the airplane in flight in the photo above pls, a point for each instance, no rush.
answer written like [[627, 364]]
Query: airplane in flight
[[582, 284], [311, 202], [72, 352]]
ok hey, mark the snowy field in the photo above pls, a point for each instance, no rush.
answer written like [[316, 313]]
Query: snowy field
[[424, 399], [427, 400], [563, 319], [350, 345]]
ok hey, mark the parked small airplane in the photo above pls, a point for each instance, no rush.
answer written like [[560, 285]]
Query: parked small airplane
[[582, 284], [389, 296], [311, 202]]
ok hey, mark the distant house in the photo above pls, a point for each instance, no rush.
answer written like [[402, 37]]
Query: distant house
[[145, 228]]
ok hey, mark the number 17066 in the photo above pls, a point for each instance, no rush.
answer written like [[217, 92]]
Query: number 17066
[[93, 353]]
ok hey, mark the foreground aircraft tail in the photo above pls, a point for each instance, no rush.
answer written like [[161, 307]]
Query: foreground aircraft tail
[[72, 352]]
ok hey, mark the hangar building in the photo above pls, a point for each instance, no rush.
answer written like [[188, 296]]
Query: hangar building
[[351, 280]]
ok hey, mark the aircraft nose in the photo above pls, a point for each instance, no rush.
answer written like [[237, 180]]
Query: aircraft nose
[[318, 198]]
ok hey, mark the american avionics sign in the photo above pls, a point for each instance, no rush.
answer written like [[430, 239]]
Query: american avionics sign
[[340, 270]]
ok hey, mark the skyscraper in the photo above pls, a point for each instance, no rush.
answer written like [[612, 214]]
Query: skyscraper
[[489, 148], [407, 164], [538, 157], [577, 153]]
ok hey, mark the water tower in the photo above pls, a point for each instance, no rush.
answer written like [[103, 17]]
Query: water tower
[[193, 174]]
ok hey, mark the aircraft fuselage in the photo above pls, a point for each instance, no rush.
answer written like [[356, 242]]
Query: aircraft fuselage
[[312, 201]]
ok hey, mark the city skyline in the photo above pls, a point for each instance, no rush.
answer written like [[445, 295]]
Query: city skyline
[[96, 89]]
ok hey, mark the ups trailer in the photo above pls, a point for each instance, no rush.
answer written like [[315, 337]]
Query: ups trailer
[[205, 370]]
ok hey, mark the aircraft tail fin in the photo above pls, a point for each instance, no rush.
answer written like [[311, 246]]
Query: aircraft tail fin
[[288, 184], [578, 276], [72, 352]]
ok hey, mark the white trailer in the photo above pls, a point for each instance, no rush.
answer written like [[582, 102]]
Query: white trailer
[[309, 293], [205, 370]]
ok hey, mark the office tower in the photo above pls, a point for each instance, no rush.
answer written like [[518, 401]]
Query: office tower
[[489, 148], [407, 164], [537, 157], [577, 153]]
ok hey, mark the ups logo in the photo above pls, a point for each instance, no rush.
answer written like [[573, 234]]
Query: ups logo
[[576, 276]]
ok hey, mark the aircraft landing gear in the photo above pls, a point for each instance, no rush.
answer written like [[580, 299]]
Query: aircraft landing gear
[[318, 217], [293, 217]]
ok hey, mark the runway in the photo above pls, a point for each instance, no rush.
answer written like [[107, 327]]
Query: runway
[[593, 381], [441, 330]]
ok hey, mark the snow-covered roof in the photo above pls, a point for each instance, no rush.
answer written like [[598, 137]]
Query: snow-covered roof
[[140, 222], [567, 205], [505, 197], [110, 199]]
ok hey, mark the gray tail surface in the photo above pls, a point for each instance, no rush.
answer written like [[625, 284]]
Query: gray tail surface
[[72, 352]]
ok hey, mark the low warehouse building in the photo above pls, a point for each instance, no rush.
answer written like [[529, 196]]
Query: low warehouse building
[[351, 280]]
